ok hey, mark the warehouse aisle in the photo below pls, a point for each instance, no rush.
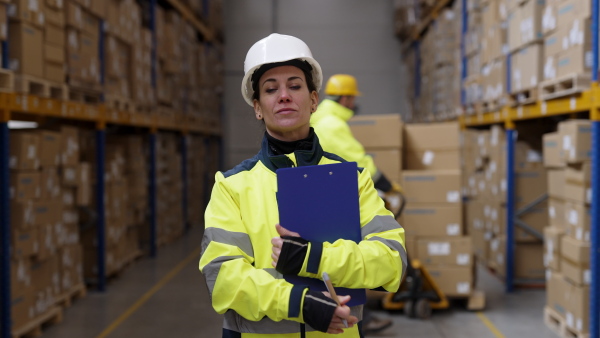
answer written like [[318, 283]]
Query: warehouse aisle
[[167, 297]]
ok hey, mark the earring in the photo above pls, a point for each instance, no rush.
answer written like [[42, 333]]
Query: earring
[[259, 116]]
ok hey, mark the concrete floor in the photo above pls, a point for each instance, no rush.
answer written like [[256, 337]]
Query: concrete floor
[[135, 306]]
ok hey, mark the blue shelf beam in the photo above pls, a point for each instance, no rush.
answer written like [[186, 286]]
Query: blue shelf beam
[[100, 208], [5, 279], [511, 136], [152, 197]]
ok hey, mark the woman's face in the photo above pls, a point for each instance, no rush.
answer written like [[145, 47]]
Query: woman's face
[[285, 103]]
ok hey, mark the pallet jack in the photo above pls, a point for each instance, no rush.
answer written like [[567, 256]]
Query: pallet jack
[[419, 294]]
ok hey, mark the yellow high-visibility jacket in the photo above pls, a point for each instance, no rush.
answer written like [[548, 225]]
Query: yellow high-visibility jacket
[[236, 249], [330, 122]]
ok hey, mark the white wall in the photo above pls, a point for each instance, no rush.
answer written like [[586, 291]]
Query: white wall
[[345, 36]]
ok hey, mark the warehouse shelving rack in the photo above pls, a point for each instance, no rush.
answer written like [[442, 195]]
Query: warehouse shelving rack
[[31, 106], [586, 101]]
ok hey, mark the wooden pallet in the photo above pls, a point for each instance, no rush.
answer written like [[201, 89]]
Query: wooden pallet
[[555, 322], [119, 103], [523, 97], [34, 328], [66, 299], [495, 104], [27, 84], [564, 86], [7, 81], [84, 95]]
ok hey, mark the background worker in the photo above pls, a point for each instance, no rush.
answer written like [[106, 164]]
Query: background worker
[[330, 122], [245, 252]]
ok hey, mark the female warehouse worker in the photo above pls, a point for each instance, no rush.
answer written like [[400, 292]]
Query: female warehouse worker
[[245, 251]]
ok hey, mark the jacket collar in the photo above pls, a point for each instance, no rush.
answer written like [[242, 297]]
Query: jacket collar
[[331, 107], [302, 157]]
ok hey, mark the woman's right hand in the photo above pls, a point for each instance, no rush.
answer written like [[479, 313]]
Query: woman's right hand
[[341, 312]]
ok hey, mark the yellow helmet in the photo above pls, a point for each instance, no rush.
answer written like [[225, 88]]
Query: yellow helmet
[[342, 85]]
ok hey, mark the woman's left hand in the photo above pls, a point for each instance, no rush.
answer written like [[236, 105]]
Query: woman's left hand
[[278, 242]]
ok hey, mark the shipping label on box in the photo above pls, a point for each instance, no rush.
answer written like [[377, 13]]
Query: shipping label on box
[[69, 146], [377, 131], [25, 243], [433, 220], [69, 176], [25, 185], [433, 159], [435, 186], [445, 251], [50, 184], [549, 18]]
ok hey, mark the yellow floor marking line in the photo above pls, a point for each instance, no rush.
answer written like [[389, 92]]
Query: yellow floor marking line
[[132, 309], [490, 325]]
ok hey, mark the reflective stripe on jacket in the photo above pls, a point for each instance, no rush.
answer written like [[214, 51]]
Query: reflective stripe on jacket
[[236, 249], [330, 122]]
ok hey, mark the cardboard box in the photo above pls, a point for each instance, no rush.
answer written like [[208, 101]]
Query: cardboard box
[[531, 183], [49, 148], [55, 4], [552, 143], [50, 184], [453, 280], [556, 183], [527, 67], [557, 213], [69, 176], [91, 24], [530, 264], [74, 15], [525, 24], [22, 299], [70, 267], [55, 17], [445, 251], [578, 183], [24, 151], [25, 243], [433, 220], [576, 140], [3, 24], [434, 186], [26, 49], [578, 220], [575, 60], [48, 245], [377, 131], [432, 159], [577, 305], [27, 11], [418, 137], [552, 247], [388, 161], [556, 287], [70, 146], [571, 10], [576, 274], [578, 252], [25, 185], [55, 35]]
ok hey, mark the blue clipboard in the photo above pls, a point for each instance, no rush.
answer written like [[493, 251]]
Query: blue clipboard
[[320, 203]]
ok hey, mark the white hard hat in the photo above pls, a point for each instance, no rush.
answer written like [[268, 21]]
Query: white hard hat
[[277, 48]]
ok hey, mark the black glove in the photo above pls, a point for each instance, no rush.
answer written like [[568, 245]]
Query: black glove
[[318, 310], [293, 253], [383, 183]]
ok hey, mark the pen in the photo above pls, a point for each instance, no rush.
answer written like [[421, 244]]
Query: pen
[[332, 293]]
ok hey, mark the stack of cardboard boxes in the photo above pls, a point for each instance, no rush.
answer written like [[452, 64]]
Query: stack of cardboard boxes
[[440, 73], [82, 40], [26, 37], [567, 240], [472, 85], [568, 41], [526, 48], [485, 186], [381, 136], [47, 184], [433, 217], [168, 33], [210, 77], [493, 60], [169, 188]]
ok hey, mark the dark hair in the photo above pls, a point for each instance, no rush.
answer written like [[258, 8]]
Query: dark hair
[[304, 66]]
